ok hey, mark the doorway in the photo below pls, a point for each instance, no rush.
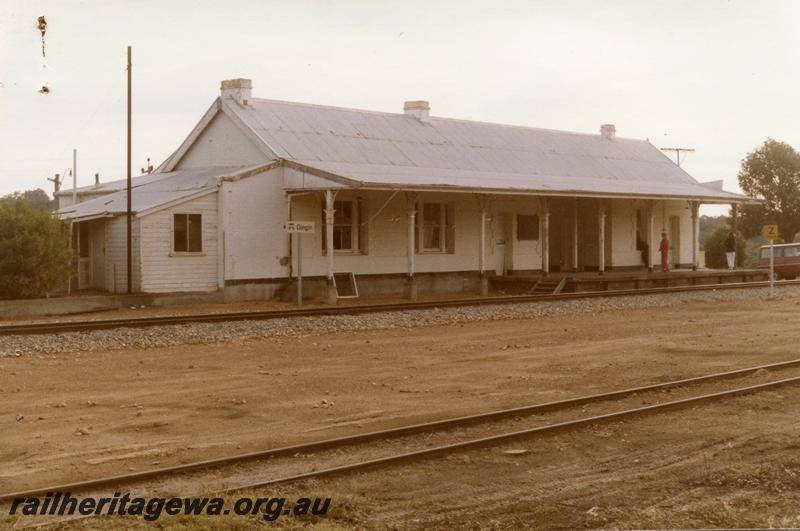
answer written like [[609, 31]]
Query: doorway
[[84, 263]]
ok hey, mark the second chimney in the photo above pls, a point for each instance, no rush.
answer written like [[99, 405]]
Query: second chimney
[[419, 109], [237, 89], [608, 131]]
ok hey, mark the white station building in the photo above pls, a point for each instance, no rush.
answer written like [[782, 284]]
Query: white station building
[[407, 202]]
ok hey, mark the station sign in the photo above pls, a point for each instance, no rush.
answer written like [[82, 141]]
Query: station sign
[[299, 227], [770, 232]]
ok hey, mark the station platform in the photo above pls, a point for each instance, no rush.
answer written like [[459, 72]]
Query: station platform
[[567, 282]]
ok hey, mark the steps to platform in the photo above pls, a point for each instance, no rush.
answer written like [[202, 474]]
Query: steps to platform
[[548, 286]]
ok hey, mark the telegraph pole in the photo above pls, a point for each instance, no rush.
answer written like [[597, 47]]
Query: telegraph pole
[[56, 183], [678, 151], [129, 205]]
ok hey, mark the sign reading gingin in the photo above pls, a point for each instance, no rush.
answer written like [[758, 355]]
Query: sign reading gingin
[[302, 227], [770, 232]]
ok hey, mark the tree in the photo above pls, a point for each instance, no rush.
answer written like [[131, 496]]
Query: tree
[[771, 173], [34, 198], [709, 224], [714, 246], [34, 250]]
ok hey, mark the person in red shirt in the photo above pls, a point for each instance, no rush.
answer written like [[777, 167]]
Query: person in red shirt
[[664, 248]]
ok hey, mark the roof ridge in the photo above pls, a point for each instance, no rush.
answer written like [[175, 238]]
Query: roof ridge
[[434, 118]]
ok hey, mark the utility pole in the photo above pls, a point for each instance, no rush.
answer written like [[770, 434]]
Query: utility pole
[[129, 205], [56, 183], [678, 151]]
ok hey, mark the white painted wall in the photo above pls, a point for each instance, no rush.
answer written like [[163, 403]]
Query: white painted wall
[[166, 271], [623, 233], [520, 255], [64, 201], [221, 143], [387, 236], [663, 211], [116, 263], [254, 210]]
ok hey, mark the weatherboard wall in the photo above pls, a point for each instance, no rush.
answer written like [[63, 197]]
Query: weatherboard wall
[[221, 143], [254, 210], [116, 260], [163, 269]]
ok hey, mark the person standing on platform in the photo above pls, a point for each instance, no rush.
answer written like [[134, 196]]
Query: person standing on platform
[[730, 250], [664, 248]]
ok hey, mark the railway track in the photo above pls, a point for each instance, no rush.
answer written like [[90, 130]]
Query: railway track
[[440, 427], [140, 322]]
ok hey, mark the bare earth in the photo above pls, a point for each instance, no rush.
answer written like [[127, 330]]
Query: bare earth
[[731, 463]]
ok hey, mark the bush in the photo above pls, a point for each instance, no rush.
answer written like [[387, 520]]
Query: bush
[[714, 246], [34, 250]]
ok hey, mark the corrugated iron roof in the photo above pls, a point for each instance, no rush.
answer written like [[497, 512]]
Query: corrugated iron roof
[[386, 149], [376, 149], [170, 187], [112, 186]]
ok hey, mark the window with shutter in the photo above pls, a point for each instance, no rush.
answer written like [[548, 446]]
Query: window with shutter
[[432, 226], [435, 228], [347, 230]]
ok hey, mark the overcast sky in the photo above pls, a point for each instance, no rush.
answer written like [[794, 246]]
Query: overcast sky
[[716, 76]]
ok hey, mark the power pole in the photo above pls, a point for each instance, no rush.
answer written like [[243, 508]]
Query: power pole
[[129, 205], [678, 151], [56, 183]]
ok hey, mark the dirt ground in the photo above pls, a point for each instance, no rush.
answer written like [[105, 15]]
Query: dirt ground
[[732, 463]]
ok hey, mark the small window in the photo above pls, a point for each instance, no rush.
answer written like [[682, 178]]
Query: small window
[[527, 228], [791, 252], [187, 232]]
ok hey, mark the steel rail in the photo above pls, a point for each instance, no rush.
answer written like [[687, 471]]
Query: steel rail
[[393, 432], [503, 437], [140, 322]]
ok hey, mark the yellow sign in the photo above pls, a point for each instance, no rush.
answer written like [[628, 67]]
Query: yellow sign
[[770, 232]]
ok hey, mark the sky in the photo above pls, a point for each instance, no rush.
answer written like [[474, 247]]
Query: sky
[[716, 76]]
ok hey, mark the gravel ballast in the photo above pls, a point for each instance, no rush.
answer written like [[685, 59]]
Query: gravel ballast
[[169, 335]]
